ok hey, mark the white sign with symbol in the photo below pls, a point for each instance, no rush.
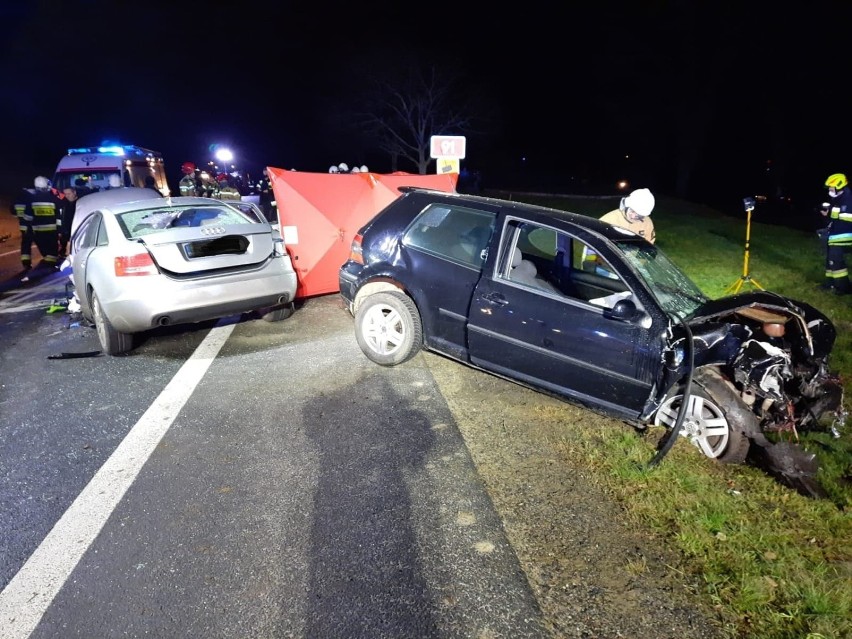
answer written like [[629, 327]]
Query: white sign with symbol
[[447, 146]]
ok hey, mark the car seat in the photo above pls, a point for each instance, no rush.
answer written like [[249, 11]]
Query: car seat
[[523, 270]]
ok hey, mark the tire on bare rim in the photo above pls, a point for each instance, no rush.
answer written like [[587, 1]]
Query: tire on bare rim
[[717, 421], [277, 313], [388, 328], [113, 342]]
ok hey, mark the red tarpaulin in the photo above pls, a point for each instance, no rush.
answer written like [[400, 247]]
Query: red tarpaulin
[[320, 213]]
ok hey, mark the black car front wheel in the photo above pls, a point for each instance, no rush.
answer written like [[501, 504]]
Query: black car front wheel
[[715, 420], [388, 328]]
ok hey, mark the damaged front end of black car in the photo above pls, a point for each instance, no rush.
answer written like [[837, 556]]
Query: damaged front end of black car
[[760, 377]]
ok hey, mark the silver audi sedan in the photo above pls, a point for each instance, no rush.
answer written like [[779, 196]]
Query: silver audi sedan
[[162, 261]]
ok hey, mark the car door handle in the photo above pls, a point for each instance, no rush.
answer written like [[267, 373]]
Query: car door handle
[[495, 298]]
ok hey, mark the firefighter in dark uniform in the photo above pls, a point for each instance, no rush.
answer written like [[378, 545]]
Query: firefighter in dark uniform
[[266, 199], [25, 227], [43, 212], [839, 213]]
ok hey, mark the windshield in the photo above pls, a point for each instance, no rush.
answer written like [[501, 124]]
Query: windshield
[[675, 292]]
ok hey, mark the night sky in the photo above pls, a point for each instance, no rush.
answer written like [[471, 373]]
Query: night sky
[[688, 98]]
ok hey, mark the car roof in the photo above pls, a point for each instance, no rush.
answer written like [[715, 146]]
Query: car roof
[[536, 211]]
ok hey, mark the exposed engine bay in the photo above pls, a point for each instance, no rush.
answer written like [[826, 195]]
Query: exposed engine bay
[[774, 359]]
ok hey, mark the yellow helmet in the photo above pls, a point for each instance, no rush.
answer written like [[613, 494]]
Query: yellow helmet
[[837, 180]]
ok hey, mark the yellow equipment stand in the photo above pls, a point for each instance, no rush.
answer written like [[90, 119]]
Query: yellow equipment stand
[[745, 278]]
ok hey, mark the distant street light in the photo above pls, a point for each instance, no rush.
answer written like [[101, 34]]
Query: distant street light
[[225, 156]]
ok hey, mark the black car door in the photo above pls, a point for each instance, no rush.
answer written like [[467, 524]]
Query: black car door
[[445, 248], [549, 333]]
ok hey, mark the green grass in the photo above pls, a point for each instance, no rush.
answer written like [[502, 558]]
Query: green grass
[[773, 563]]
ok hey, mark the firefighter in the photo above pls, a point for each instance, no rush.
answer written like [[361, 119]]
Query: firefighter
[[43, 212], [188, 184], [227, 192], [634, 213], [266, 199], [26, 227], [839, 212]]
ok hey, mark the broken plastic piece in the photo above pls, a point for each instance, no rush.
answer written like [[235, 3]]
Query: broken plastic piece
[[74, 355]]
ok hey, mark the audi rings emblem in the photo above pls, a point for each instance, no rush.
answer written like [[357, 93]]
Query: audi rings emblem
[[213, 230]]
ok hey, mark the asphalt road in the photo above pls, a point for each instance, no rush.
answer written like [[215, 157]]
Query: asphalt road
[[288, 487]]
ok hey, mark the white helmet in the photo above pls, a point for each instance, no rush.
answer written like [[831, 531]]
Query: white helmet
[[355, 169], [41, 182], [114, 181], [333, 169], [344, 168], [364, 169], [641, 201]]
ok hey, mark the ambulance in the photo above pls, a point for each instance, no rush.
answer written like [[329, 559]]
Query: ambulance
[[92, 166]]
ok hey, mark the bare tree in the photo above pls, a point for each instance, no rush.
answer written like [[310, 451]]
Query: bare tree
[[402, 116]]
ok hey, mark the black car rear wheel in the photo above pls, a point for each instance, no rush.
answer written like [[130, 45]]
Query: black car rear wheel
[[388, 328], [112, 341], [715, 422]]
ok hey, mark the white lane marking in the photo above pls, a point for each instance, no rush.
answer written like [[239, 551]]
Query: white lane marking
[[27, 596], [10, 252]]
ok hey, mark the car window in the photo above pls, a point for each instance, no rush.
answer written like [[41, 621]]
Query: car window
[[102, 239], [551, 262], [87, 235], [141, 222], [249, 208], [458, 233]]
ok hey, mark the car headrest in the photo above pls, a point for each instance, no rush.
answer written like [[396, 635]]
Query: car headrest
[[516, 257]]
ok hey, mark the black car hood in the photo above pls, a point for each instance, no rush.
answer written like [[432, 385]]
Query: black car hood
[[724, 305]]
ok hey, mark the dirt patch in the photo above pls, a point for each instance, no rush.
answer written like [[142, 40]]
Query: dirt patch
[[593, 574]]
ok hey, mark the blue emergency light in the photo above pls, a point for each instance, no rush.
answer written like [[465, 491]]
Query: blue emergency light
[[117, 150]]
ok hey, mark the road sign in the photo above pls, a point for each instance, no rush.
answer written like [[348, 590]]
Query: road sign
[[447, 146], [447, 165]]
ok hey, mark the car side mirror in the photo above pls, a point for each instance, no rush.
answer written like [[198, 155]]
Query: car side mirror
[[623, 310]]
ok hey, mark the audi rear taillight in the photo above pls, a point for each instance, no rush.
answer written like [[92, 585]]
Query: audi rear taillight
[[356, 253], [132, 265]]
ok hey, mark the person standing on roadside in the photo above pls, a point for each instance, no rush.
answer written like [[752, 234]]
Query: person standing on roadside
[[43, 212], [69, 207], [26, 227], [839, 237], [266, 198]]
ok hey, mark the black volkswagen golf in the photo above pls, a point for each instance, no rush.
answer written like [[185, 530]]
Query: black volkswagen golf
[[594, 314]]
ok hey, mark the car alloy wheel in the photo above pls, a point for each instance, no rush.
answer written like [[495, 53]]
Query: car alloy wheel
[[719, 433], [388, 328], [704, 423]]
